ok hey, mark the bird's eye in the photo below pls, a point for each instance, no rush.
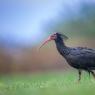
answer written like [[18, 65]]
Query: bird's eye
[[54, 35]]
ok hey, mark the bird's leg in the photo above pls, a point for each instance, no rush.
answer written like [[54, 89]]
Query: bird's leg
[[93, 73], [79, 71], [88, 73]]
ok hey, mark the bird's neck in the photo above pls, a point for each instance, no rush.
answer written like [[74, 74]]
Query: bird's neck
[[61, 47]]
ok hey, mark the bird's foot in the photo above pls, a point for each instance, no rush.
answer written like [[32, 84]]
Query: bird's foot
[[77, 81]]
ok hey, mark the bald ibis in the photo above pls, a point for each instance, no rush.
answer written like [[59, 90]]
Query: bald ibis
[[80, 58]]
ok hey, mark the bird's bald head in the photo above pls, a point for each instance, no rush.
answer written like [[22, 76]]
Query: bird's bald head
[[54, 36]]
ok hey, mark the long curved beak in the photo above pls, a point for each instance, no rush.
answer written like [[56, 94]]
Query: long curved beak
[[46, 41]]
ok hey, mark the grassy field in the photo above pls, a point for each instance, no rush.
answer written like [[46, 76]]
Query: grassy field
[[47, 84]]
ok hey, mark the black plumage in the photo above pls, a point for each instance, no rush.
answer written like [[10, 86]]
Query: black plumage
[[80, 58]]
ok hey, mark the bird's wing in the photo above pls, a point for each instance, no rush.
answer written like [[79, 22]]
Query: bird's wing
[[85, 52], [83, 56]]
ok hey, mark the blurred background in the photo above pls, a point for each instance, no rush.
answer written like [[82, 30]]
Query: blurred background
[[24, 25]]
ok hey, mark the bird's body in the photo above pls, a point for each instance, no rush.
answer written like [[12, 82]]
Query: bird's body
[[81, 58]]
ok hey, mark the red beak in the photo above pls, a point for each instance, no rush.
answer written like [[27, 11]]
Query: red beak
[[49, 39]]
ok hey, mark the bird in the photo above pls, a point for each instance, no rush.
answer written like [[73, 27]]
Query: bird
[[80, 58]]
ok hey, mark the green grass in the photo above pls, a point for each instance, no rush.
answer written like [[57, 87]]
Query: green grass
[[47, 84]]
